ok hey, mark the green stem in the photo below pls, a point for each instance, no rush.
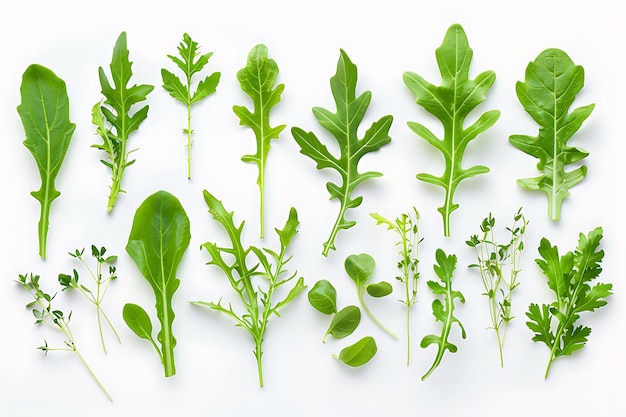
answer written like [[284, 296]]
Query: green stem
[[188, 140], [361, 292], [44, 220], [93, 375], [330, 243]]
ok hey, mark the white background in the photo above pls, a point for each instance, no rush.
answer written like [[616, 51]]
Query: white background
[[216, 372]]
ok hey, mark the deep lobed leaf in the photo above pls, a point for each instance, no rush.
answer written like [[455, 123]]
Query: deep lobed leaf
[[44, 110], [550, 87]]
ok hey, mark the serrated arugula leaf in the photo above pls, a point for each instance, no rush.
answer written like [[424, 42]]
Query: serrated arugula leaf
[[547, 93], [569, 277], [45, 114], [257, 80], [343, 125], [451, 103], [158, 239], [119, 100], [259, 301], [191, 62], [444, 268]]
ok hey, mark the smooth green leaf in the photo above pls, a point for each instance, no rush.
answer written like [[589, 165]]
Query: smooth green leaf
[[45, 111], [344, 323], [547, 93], [190, 62], [323, 297], [380, 289], [138, 321], [158, 239], [344, 125], [116, 110], [359, 353], [258, 79], [451, 103], [360, 268]]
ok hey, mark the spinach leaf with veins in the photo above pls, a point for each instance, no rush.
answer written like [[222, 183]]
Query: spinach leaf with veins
[[451, 103], [158, 239], [45, 114], [550, 88], [343, 125], [268, 266]]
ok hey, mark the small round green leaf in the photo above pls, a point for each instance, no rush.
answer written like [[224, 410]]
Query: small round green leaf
[[344, 323], [323, 297], [360, 267], [380, 289], [359, 353]]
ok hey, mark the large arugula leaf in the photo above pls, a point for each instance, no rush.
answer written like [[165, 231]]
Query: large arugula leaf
[[45, 114], [257, 80], [343, 125], [190, 62], [451, 103], [569, 277], [446, 264], [121, 98], [258, 300], [550, 87], [158, 239]]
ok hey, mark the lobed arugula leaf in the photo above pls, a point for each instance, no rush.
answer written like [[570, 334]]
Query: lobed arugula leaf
[[158, 239], [446, 264], [550, 88], [451, 103], [119, 98], [257, 80], [343, 125], [259, 301], [569, 277], [191, 62], [45, 114]]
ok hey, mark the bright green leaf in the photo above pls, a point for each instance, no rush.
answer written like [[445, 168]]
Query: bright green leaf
[[359, 353]]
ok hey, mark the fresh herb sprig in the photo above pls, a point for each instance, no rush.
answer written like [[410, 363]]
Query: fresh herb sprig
[[258, 301], [406, 226], [499, 266], [451, 103], [119, 99], [570, 277], [191, 62], [70, 281], [343, 125], [45, 313]]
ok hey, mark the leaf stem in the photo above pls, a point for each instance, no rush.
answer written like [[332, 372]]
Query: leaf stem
[[361, 292]]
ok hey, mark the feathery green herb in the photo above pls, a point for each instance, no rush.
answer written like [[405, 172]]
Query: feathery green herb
[[446, 264], [343, 125], [190, 62], [451, 103], [96, 297], [257, 80], [259, 304], [45, 114], [550, 88], [499, 265], [570, 277], [406, 227], [119, 99], [45, 313]]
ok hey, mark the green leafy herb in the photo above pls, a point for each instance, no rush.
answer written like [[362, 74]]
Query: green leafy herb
[[259, 303], [323, 297], [359, 353], [68, 281], [344, 323], [451, 103], [257, 80], [343, 125], [406, 227], [45, 313], [444, 269], [190, 62], [552, 82], [360, 268], [121, 99], [45, 114], [499, 265], [570, 277], [158, 239]]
